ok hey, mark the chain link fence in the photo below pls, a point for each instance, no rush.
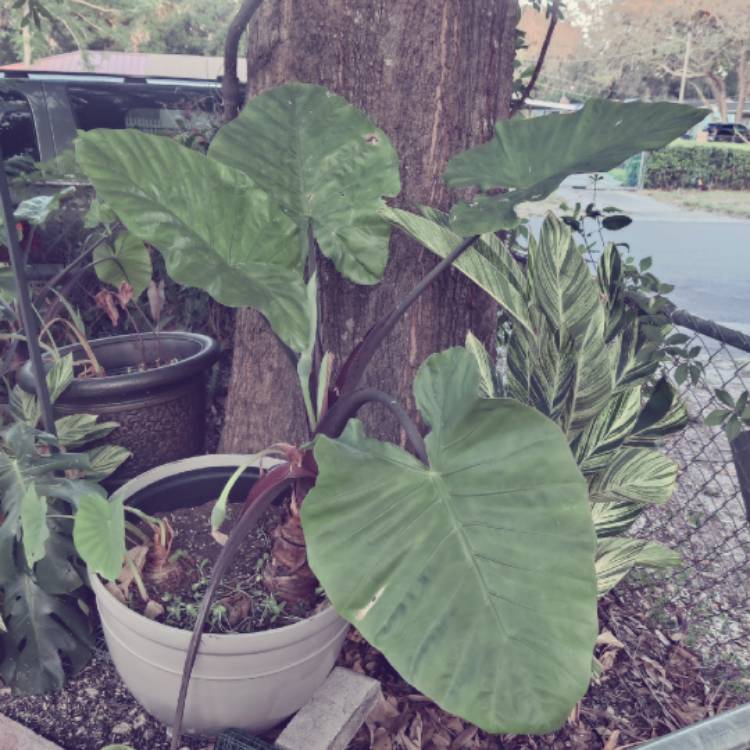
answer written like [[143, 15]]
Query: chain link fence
[[706, 521]]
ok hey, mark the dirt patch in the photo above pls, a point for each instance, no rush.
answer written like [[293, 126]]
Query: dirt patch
[[94, 710]]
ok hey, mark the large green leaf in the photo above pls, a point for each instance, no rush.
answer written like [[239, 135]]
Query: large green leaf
[[639, 475], [487, 263], [129, 260], [473, 575], [215, 228], [617, 556], [99, 534], [76, 430], [533, 156], [325, 163]]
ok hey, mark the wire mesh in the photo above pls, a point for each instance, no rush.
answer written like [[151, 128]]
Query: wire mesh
[[706, 519]]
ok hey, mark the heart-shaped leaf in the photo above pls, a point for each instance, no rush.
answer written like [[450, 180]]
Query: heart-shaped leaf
[[531, 157], [99, 534], [128, 261], [474, 575], [325, 163], [215, 228]]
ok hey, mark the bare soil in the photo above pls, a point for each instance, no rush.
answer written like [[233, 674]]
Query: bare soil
[[243, 603]]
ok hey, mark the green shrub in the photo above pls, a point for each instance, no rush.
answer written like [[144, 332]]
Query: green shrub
[[725, 166]]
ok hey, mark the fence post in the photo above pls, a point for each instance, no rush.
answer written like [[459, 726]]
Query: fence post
[[741, 454]]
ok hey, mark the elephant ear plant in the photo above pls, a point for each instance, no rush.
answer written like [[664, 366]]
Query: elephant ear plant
[[469, 559]]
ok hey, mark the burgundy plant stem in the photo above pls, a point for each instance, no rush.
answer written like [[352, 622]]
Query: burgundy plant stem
[[346, 407], [355, 366], [277, 481]]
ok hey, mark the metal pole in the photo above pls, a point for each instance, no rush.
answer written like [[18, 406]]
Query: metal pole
[[28, 316]]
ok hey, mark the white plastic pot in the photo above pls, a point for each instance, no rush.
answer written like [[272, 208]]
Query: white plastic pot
[[249, 681]]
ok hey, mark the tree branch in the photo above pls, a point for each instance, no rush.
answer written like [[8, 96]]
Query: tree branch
[[230, 83], [516, 105]]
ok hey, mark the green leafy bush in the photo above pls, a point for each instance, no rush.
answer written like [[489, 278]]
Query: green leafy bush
[[718, 167], [43, 629]]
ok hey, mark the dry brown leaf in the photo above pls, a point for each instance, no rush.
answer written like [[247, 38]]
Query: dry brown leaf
[[381, 741], [606, 638], [613, 741], [464, 738], [137, 555], [607, 659]]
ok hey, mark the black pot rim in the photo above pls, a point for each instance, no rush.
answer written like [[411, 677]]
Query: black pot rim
[[110, 386]]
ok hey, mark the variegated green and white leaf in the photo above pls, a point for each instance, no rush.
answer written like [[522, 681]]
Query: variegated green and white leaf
[[488, 264], [663, 414], [75, 430], [636, 359], [608, 430], [560, 282], [613, 519], [489, 379], [617, 556], [638, 475], [105, 460], [592, 384]]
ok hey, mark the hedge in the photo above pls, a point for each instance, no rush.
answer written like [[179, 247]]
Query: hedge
[[725, 167]]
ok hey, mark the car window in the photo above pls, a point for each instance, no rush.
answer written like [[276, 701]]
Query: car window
[[162, 110], [17, 133]]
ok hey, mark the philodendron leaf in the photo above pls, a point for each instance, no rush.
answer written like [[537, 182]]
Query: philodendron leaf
[[99, 534], [531, 157], [617, 556], [473, 575], [38, 209], [324, 162], [215, 228], [128, 261], [33, 525], [41, 628]]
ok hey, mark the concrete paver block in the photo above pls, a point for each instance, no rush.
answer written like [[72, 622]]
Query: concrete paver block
[[333, 715], [15, 736]]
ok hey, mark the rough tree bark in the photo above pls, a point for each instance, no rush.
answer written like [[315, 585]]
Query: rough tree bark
[[434, 75]]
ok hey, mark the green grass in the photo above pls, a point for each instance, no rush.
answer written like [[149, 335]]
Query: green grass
[[728, 202]]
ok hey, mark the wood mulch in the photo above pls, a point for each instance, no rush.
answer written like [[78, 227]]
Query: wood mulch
[[651, 685]]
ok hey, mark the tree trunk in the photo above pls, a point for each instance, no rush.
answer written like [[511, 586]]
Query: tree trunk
[[434, 75], [742, 83]]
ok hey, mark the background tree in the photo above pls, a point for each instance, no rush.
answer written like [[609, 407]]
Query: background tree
[[435, 75], [638, 48], [36, 28]]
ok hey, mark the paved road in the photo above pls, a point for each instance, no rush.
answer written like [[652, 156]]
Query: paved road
[[706, 257]]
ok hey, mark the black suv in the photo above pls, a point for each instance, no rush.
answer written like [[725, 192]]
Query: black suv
[[40, 112], [729, 132]]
